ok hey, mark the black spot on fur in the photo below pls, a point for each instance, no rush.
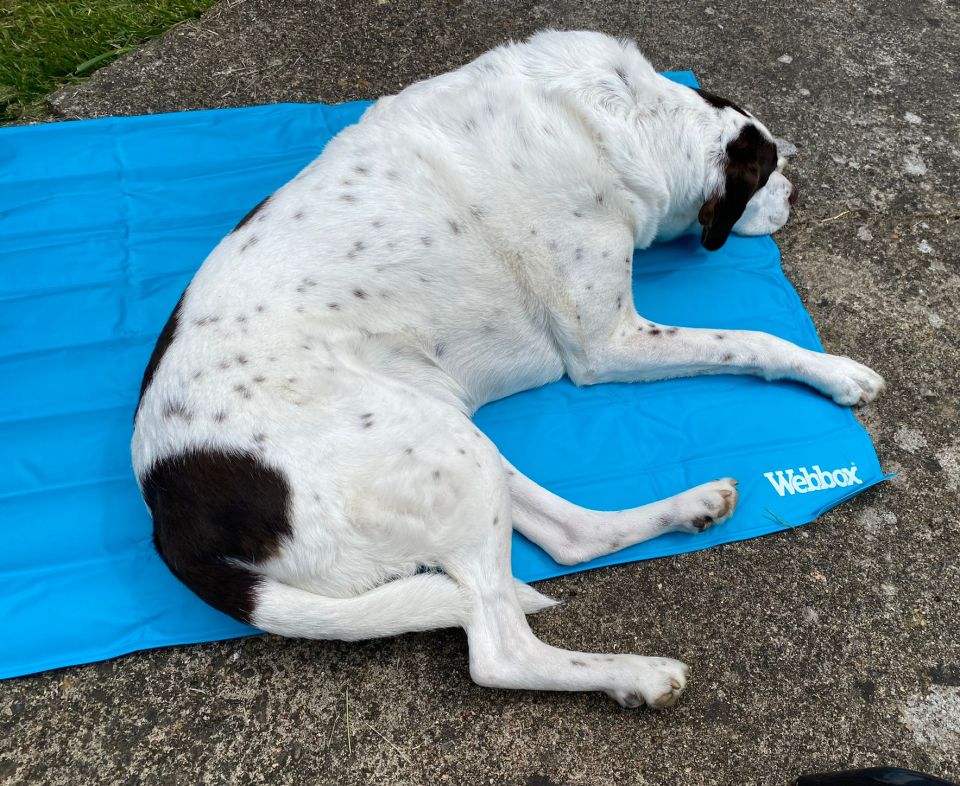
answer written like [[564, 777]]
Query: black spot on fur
[[251, 241], [347, 198], [377, 223], [210, 508], [578, 253], [575, 662], [177, 409], [718, 335], [164, 340], [436, 474], [718, 102], [259, 437], [496, 520], [671, 331], [408, 451], [197, 374], [361, 170], [578, 214], [654, 332], [241, 318], [334, 306], [359, 293], [727, 357], [242, 360], [454, 226], [220, 416], [427, 241], [243, 390], [259, 379], [298, 215], [251, 214]]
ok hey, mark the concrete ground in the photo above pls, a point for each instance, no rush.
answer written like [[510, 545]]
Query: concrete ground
[[831, 646]]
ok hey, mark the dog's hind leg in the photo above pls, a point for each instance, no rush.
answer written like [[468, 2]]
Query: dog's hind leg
[[504, 653], [571, 534]]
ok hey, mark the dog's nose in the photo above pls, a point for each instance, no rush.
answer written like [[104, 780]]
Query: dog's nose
[[794, 195]]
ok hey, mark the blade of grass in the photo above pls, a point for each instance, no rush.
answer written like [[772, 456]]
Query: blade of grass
[[778, 519], [391, 744], [349, 741], [101, 58]]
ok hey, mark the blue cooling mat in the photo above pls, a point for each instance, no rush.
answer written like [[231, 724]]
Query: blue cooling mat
[[102, 224]]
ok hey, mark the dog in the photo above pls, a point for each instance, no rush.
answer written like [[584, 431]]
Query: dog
[[303, 438]]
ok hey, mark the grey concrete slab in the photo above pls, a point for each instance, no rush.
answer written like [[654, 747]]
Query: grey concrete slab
[[829, 646]]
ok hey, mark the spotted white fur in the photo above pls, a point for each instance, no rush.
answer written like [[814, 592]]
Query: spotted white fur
[[470, 238]]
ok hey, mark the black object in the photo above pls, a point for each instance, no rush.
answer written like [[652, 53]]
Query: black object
[[874, 776]]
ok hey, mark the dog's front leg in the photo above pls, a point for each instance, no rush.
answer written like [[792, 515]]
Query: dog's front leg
[[638, 349]]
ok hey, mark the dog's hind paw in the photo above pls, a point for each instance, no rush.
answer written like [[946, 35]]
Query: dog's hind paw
[[658, 684], [703, 506]]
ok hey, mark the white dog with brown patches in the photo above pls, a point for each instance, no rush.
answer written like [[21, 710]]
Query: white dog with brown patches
[[303, 439]]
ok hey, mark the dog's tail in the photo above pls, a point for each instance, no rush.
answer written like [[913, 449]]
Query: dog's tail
[[416, 603]]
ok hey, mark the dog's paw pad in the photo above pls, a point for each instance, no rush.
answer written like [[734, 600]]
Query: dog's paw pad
[[658, 683], [850, 383], [706, 505]]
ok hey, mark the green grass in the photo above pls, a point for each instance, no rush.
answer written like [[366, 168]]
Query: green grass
[[44, 45]]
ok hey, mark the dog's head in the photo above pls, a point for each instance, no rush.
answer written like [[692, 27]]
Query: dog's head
[[749, 195]]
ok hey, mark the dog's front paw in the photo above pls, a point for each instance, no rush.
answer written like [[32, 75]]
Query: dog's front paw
[[847, 382], [703, 506], [656, 682]]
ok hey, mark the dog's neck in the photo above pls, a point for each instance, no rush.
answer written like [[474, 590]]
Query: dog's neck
[[672, 161]]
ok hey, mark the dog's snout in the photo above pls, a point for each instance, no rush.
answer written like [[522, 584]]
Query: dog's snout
[[794, 195]]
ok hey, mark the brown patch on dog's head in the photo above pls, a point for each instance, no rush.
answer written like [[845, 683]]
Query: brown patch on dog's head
[[718, 102], [750, 160]]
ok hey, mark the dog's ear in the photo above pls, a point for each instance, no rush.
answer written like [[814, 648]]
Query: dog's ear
[[750, 160]]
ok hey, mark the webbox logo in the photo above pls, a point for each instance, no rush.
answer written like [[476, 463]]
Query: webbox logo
[[803, 481]]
